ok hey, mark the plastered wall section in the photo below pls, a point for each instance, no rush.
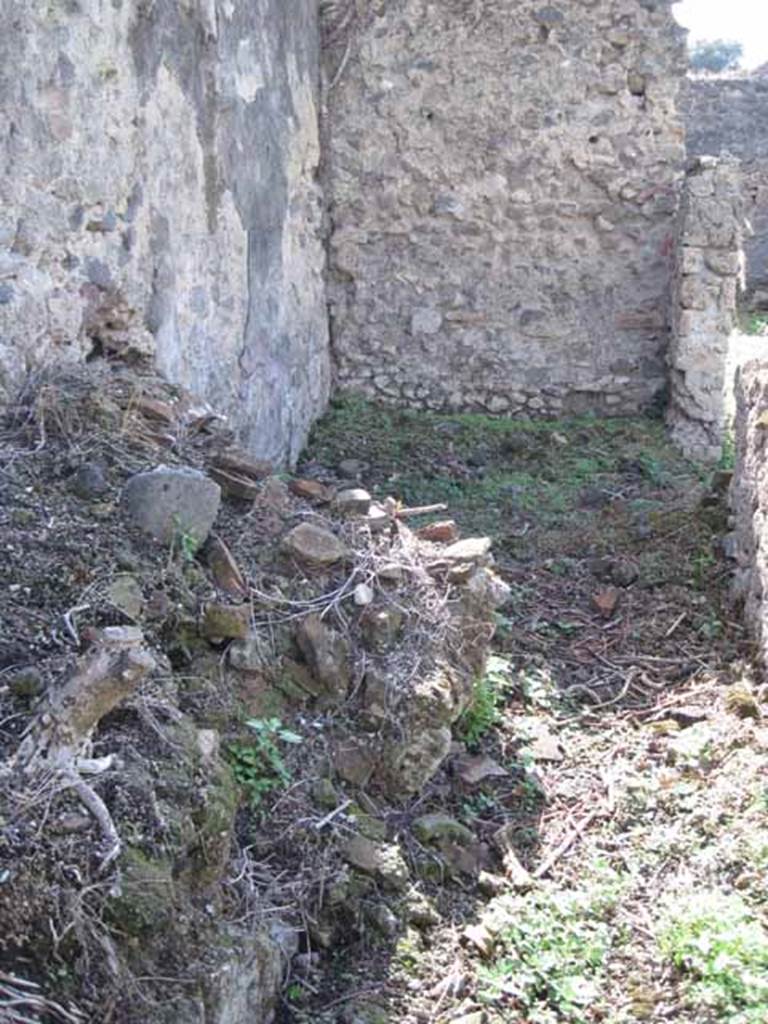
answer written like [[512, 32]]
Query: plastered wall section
[[158, 189], [503, 180], [731, 114]]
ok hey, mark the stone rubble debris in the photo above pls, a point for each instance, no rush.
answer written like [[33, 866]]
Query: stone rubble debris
[[315, 545]]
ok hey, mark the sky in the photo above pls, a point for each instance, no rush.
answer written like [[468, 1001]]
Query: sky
[[745, 21]]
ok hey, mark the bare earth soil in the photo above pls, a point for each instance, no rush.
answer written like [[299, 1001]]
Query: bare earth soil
[[633, 737], [610, 773]]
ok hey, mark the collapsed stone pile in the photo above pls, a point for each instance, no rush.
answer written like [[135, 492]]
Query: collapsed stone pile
[[204, 597]]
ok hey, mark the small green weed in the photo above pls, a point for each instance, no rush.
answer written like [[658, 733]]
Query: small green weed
[[728, 451], [532, 795], [294, 993], [188, 547], [702, 564], [527, 836], [722, 950], [259, 766], [503, 627], [652, 467], [554, 948], [560, 566], [711, 628], [755, 323], [483, 711], [477, 805], [184, 543], [408, 952]]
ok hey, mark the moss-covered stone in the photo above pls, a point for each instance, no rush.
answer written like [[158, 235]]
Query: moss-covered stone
[[226, 621], [205, 797], [370, 827], [324, 794], [384, 861], [432, 828], [214, 820], [147, 897]]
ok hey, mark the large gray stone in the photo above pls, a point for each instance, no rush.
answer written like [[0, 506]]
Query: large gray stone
[[418, 758], [173, 505], [473, 549]]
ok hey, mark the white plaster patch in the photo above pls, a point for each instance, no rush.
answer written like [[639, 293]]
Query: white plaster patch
[[250, 77]]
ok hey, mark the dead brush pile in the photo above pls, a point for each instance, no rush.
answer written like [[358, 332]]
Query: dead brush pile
[[192, 731]]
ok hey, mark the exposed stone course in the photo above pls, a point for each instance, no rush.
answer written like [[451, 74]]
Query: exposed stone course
[[503, 181], [708, 275], [749, 499], [731, 114]]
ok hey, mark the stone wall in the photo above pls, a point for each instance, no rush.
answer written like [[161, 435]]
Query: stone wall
[[707, 279], [749, 499], [503, 185], [732, 114], [159, 189]]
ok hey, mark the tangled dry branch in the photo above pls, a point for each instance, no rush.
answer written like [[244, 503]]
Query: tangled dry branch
[[21, 1002]]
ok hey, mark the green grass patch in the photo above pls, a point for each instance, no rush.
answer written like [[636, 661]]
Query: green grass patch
[[721, 949], [493, 471], [553, 951]]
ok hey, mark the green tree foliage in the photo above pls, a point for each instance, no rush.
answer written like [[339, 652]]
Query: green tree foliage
[[715, 55]]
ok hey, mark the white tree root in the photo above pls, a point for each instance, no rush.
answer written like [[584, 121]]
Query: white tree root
[[58, 735], [105, 677], [93, 803]]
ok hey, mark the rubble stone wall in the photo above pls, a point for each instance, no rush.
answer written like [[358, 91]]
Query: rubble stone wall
[[749, 499], [158, 189], [707, 279], [732, 114], [503, 181]]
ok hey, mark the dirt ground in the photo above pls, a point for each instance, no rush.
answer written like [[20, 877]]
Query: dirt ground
[[623, 708], [616, 744]]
